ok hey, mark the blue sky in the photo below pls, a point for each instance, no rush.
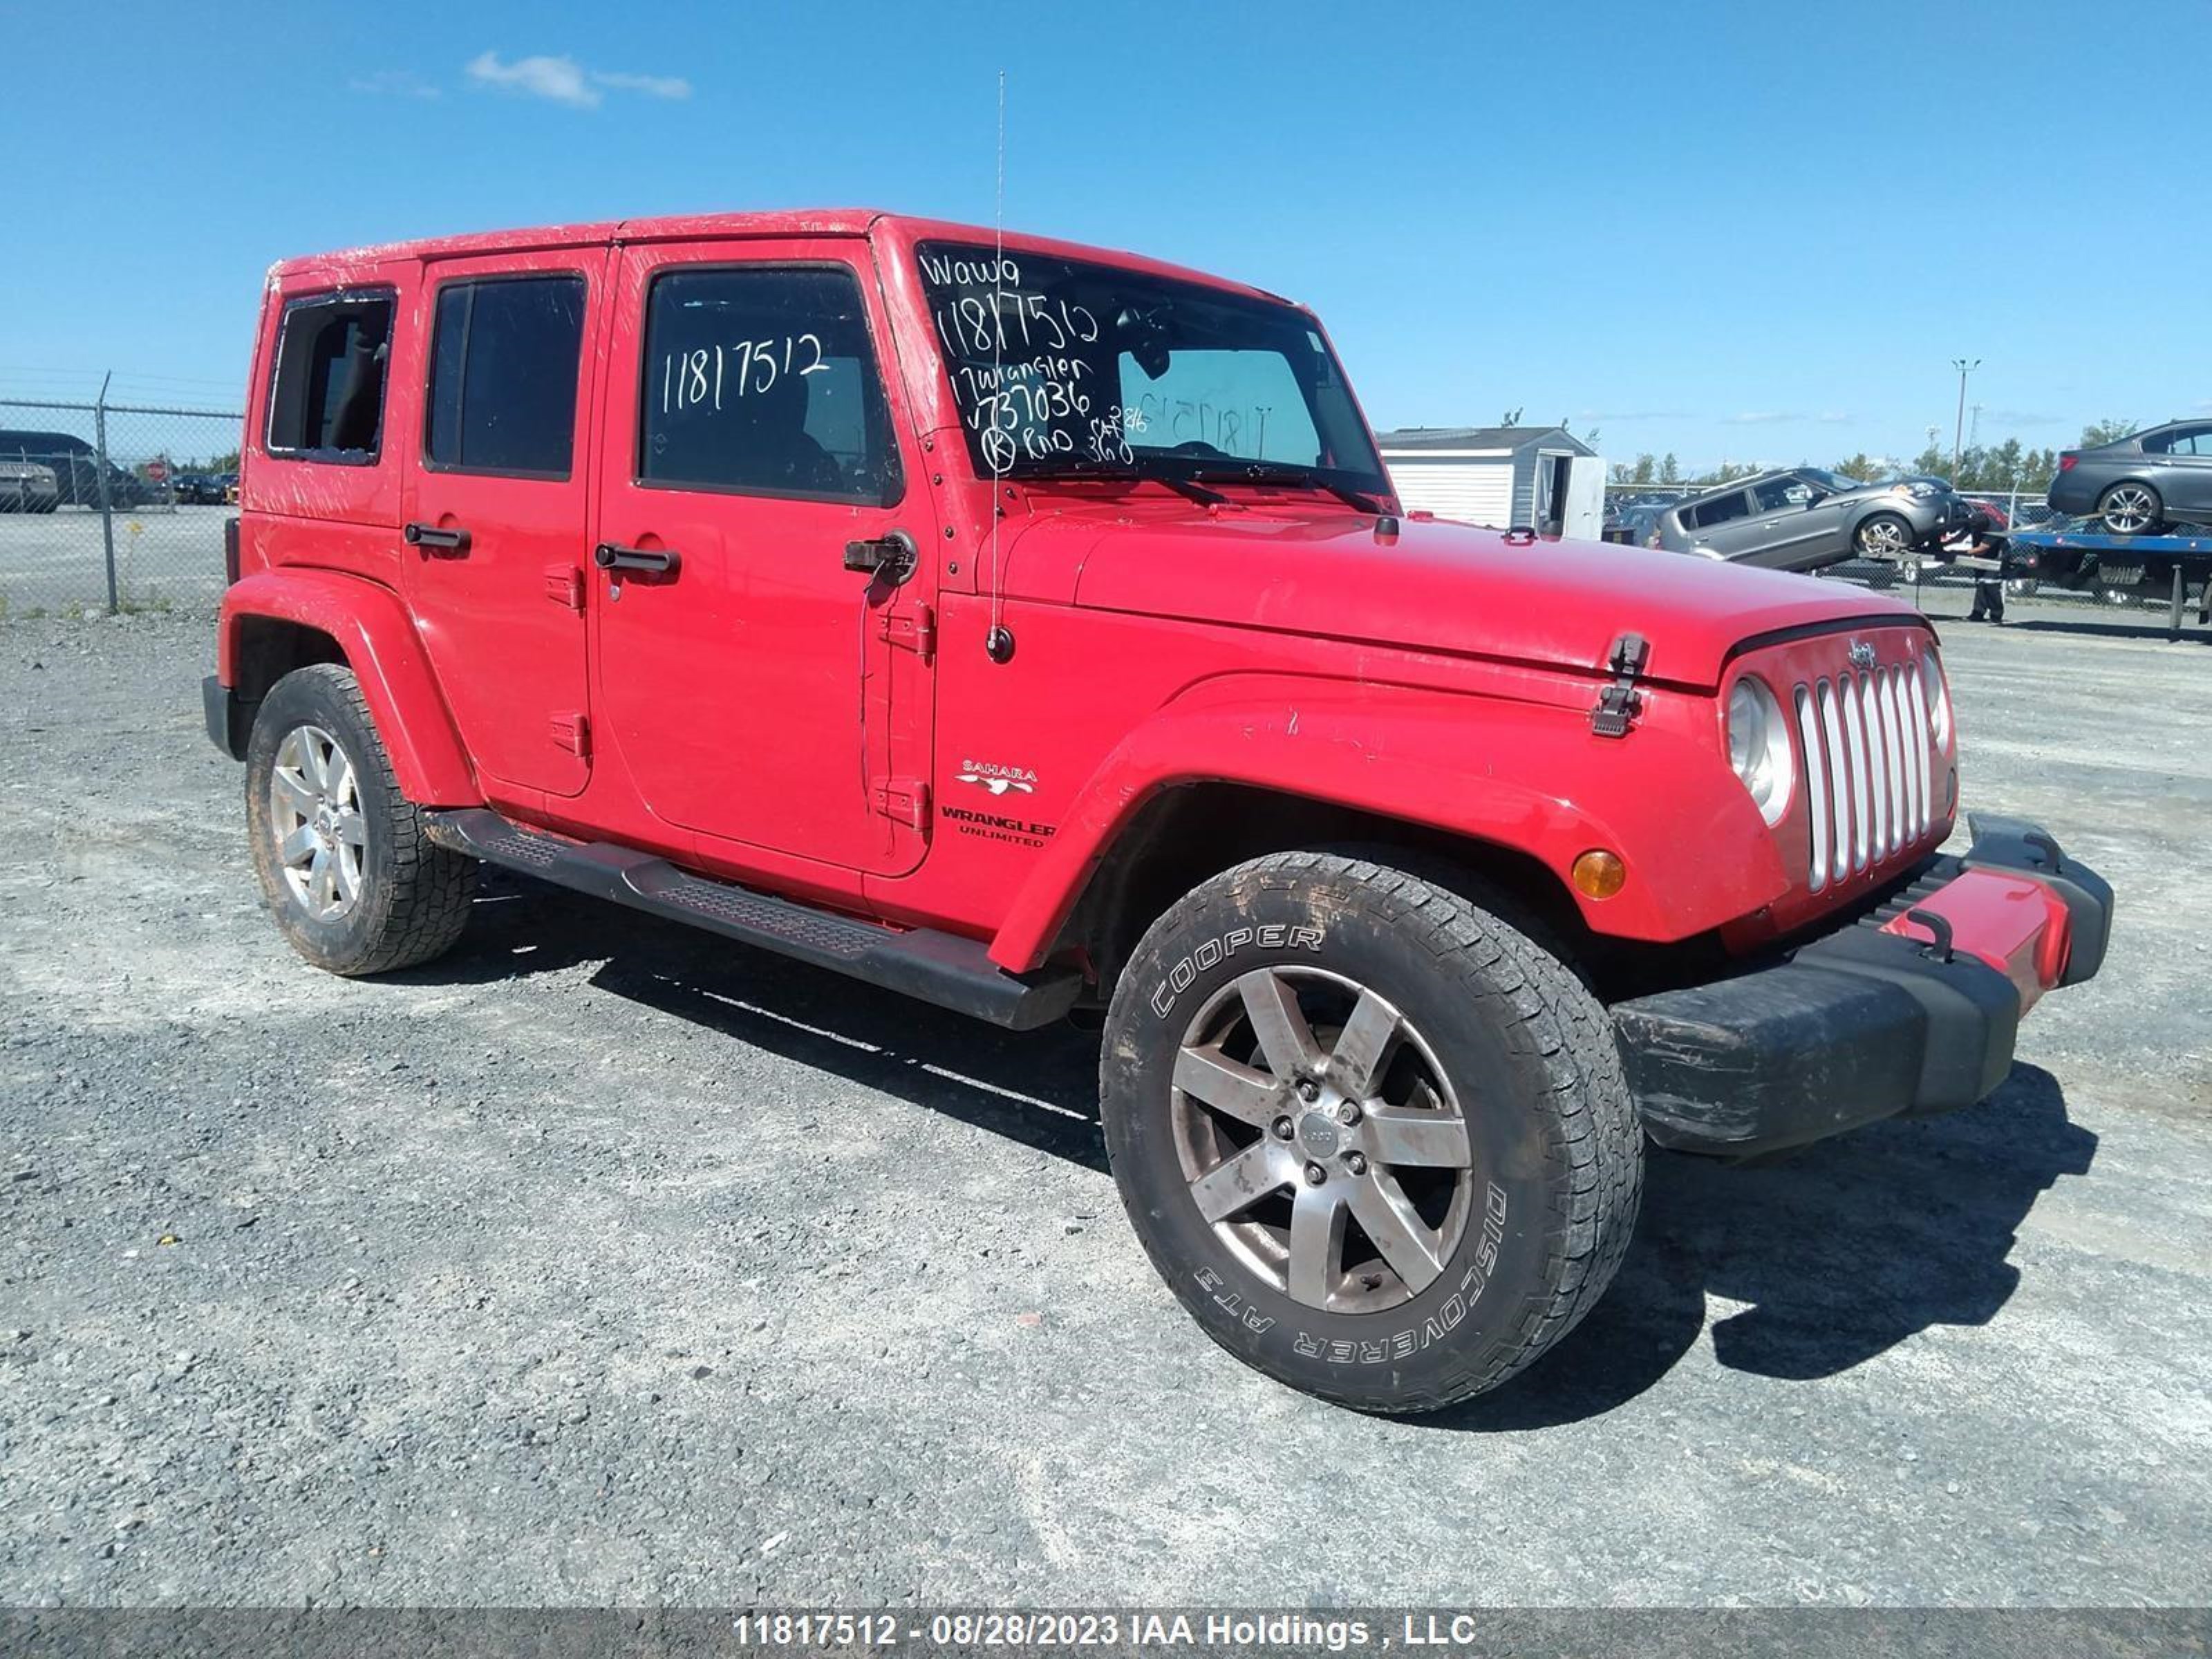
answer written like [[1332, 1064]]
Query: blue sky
[[1716, 230]]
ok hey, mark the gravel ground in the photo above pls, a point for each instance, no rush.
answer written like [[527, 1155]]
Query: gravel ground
[[54, 562], [607, 1261]]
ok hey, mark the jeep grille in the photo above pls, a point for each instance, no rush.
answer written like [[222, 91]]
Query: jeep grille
[[1869, 772]]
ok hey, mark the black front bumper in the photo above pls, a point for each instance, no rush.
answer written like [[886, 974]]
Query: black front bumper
[[1855, 1026]]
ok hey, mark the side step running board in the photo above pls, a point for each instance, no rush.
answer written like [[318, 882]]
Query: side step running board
[[943, 968]]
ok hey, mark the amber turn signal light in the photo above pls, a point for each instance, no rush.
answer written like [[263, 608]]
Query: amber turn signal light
[[1599, 874]]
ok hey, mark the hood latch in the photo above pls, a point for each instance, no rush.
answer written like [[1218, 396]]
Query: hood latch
[[1620, 702]]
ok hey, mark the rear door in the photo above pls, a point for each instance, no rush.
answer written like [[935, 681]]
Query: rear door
[[1722, 523], [496, 510]]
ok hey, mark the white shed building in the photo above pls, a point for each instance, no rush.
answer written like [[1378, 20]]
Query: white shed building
[[1501, 476]]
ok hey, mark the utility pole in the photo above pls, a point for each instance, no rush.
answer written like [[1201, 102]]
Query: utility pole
[[1958, 431]]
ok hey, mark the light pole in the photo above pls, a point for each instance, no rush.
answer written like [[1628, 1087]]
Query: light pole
[[1958, 431]]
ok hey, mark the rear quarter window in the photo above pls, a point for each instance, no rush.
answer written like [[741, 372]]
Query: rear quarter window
[[327, 384]]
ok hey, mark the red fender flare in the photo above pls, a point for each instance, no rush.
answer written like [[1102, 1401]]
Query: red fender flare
[[1527, 776], [377, 640]]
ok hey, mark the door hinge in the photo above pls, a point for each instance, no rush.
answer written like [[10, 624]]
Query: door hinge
[[564, 585], [1620, 702], [903, 800], [914, 630], [572, 732]]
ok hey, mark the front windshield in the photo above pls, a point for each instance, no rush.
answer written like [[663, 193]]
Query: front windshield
[[1834, 482], [1061, 365]]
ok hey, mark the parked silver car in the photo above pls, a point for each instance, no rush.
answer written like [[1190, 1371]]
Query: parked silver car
[[1807, 517], [2140, 484], [28, 486]]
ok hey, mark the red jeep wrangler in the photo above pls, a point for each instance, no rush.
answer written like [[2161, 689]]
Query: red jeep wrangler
[[1033, 630]]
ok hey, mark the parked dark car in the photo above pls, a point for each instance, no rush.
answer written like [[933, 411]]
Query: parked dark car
[[2140, 484], [76, 465], [28, 486], [1634, 523], [1806, 518], [197, 489]]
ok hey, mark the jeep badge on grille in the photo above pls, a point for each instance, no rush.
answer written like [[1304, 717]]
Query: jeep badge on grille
[[1862, 653]]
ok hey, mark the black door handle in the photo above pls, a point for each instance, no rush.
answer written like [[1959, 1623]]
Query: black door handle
[[661, 560], [893, 557], [429, 536]]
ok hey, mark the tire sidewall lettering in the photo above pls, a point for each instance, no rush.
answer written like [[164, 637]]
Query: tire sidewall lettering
[[1405, 1343], [1211, 953], [1471, 1319]]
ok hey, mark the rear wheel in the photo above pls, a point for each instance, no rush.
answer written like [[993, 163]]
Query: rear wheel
[[2130, 508], [344, 865], [1376, 1138]]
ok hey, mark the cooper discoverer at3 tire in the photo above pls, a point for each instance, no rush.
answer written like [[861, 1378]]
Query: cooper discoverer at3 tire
[[1376, 1139]]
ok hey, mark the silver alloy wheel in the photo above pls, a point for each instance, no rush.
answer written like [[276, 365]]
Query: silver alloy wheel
[[314, 815], [1884, 537], [2128, 509], [1322, 1139]]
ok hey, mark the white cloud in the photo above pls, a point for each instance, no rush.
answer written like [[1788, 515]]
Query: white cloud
[[558, 79], [1762, 417], [653, 86], [564, 81]]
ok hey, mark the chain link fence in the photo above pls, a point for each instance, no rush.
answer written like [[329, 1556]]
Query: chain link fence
[[112, 506], [119, 507]]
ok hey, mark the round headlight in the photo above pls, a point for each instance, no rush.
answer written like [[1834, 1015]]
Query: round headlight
[[1759, 747], [1939, 703]]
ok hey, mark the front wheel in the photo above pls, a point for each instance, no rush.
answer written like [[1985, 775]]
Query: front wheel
[[2130, 509], [1883, 536], [344, 866], [1376, 1140]]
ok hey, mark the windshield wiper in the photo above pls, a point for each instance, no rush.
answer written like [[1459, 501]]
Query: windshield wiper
[[1180, 485], [1281, 472]]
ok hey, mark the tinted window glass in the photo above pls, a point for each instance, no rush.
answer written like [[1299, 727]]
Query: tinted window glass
[[1705, 514], [1777, 494], [503, 366], [764, 381], [326, 402]]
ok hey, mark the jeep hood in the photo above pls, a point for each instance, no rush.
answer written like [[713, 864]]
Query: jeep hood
[[1435, 586]]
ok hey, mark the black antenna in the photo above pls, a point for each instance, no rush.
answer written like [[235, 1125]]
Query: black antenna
[[998, 642]]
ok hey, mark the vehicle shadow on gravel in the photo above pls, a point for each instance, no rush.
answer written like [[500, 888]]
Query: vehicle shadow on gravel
[[1838, 1253], [1039, 1087], [1841, 1252]]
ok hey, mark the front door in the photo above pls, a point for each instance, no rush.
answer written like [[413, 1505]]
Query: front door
[[497, 516], [758, 690], [1787, 525], [2187, 476]]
